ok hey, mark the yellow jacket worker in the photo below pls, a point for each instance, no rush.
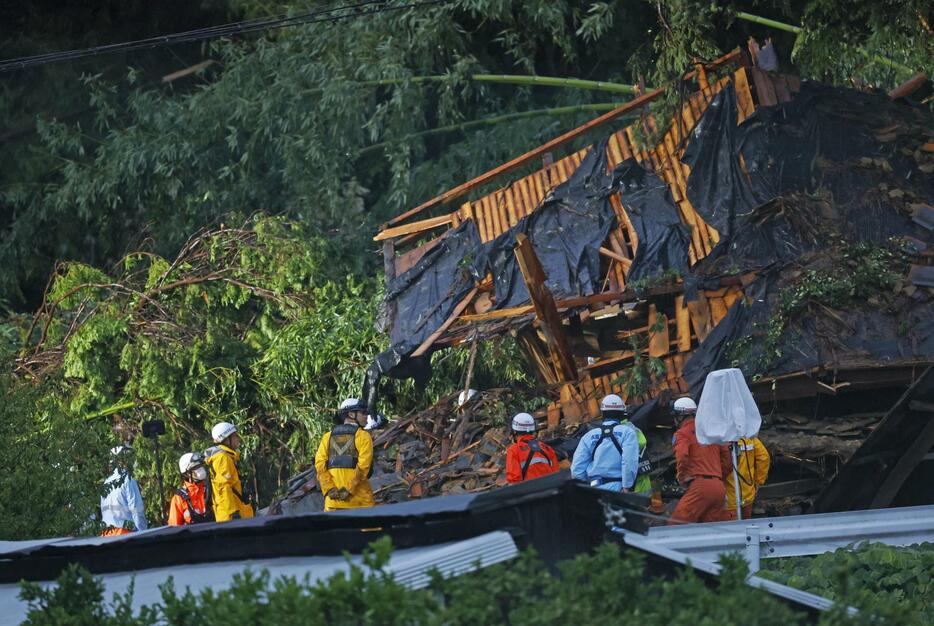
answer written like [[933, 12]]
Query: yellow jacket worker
[[344, 460], [752, 465], [226, 490]]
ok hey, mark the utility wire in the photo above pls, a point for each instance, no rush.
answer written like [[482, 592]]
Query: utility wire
[[332, 14]]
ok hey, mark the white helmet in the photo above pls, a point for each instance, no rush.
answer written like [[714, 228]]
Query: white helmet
[[120, 450], [612, 402], [685, 406], [190, 461], [523, 423], [222, 430], [466, 396], [351, 404]]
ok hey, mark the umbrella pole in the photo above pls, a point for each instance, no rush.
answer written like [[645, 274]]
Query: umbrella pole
[[739, 502]]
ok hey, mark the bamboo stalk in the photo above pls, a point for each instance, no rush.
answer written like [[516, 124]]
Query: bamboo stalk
[[513, 79], [764, 21], [496, 119], [116, 408]]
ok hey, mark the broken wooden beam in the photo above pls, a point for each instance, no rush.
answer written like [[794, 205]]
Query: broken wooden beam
[[545, 308], [425, 345], [414, 227], [627, 263], [910, 86]]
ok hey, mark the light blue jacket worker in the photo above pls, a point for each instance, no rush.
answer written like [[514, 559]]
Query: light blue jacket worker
[[598, 460], [124, 502]]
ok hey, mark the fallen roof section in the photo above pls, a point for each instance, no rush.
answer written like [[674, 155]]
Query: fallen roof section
[[777, 226]]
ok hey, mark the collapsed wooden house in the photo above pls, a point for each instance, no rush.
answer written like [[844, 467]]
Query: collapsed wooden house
[[635, 270]]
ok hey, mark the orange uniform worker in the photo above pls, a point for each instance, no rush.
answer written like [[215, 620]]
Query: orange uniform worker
[[191, 504], [700, 468], [753, 463], [528, 458], [345, 458]]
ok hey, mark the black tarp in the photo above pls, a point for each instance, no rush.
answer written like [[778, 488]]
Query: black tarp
[[423, 297], [663, 238], [830, 169], [566, 232], [814, 336], [818, 172]]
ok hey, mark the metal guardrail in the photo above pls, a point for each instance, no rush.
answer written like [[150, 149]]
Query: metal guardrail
[[796, 535]]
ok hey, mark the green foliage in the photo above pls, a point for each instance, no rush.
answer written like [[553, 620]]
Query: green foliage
[[53, 466], [279, 123], [645, 369], [245, 325], [894, 583], [588, 588], [875, 43], [861, 271]]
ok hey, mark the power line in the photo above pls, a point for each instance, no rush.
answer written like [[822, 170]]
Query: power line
[[332, 14]]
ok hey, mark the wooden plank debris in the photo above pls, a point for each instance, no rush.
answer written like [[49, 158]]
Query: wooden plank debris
[[425, 345], [545, 309]]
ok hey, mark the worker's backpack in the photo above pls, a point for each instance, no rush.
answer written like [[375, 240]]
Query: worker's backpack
[[196, 517], [534, 448], [342, 448]]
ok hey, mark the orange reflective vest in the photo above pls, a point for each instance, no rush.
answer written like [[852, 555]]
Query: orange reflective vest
[[529, 458]]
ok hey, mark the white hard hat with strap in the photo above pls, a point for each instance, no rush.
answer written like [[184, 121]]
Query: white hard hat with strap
[[222, 430], [685, 406], [523, 423]]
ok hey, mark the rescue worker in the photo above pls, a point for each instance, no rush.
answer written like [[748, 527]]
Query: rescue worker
[[191, 504], [227, 498], [345, 458], [700, 468], [608, 456], [753, 462], [122, 509], [527, 457]]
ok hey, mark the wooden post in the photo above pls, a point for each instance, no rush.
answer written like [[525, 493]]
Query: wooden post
[[545, 309], [389, 269], [909, 86], [701, 76]]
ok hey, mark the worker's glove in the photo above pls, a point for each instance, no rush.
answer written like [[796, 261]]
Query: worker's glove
[[341, 495]]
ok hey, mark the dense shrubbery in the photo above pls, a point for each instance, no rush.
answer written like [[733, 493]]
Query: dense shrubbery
[[873, 577], [252, 325], [608, 586]]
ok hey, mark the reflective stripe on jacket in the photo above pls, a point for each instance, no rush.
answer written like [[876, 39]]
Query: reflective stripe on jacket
[[542, 463], [604, 461], [179, 513], [352, 479], [124, 502], [226, 489], [752, 463]]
